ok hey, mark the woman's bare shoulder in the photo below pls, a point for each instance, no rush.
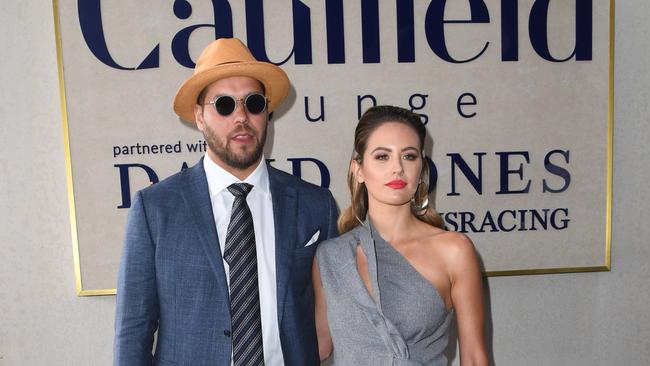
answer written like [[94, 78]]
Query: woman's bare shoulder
[[451, 244]]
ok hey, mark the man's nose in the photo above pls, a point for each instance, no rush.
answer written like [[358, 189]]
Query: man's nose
[[239, 114]]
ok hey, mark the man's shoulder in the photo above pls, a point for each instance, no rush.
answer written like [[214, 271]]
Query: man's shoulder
[[285, 179], [172, 185]]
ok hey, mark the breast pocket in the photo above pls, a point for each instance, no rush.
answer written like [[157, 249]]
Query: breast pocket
[[304, 252], [310, 239]]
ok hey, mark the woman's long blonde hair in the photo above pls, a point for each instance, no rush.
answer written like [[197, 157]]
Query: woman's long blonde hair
[[369, 122]]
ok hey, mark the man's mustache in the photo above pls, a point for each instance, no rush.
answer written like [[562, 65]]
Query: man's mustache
[[242, 128]]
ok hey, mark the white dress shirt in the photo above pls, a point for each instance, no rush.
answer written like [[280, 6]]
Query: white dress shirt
[[261, 206]]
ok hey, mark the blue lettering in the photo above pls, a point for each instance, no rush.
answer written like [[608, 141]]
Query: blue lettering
[[538, 31], [324, 172], [405, 31], [222, 28], [505, 172], [301, 33], [476, 180], [488, 221], [500, 220], [360, 100], [462, 103], [522, 220], [321, 117], [255, 31], [536, 217], [467, 220], [125, 182], [422, 102], [564, 221], [556, 170], [370, 30], [450, 218], [90, 21], [434, 27], [335, 33], [509, 30]]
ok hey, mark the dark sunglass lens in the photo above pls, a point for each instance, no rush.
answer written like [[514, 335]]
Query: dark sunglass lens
[[225, 105], [255, 103]]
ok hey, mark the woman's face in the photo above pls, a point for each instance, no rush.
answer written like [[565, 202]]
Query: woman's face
[[391, 165]]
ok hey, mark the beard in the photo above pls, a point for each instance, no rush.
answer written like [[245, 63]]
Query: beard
[[242, 159]]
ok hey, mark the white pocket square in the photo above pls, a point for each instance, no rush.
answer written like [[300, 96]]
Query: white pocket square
[[313, 238]]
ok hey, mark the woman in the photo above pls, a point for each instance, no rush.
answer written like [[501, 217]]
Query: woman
[[387, 289]]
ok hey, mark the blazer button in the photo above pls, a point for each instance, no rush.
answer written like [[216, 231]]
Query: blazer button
[[226, 333]]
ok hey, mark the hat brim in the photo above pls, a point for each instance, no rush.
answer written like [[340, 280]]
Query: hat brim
[[274, 79]]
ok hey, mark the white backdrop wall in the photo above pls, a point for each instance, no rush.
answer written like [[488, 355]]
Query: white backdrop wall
[[568, 319]]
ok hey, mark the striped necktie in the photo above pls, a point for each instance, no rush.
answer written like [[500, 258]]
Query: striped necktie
[[241, 256]]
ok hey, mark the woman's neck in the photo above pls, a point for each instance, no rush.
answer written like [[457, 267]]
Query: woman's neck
[[394, 223]]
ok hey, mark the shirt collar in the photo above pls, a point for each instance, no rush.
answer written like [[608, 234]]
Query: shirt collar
[[219, 179]]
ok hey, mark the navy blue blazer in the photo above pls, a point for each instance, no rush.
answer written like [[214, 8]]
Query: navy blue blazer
[[171, 277]]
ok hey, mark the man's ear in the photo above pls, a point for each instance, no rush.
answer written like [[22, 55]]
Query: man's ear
[[198, 116]]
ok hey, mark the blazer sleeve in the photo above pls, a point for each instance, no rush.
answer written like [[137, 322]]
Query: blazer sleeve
[[137, 311], [333, 215]]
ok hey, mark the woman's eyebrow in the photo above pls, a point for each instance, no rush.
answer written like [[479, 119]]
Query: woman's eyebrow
[[387, 149], [382, 149]]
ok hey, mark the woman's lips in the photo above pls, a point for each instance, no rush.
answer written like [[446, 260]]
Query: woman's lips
[[396, 184]]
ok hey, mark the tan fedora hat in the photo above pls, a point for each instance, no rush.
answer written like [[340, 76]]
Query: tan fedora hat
[[223, 58]]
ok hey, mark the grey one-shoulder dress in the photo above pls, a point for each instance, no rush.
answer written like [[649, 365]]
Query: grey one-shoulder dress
[[403, 322]]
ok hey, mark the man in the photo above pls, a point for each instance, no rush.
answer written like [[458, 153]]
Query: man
[[218, 257]]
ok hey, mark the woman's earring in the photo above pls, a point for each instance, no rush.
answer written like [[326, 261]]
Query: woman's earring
[[418, 207], [358, 219]]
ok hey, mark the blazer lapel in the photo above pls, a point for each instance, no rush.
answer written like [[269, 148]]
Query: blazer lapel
[[197, 197], [285, 218]]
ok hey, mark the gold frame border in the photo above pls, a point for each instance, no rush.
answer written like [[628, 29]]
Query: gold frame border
[[68, 165], [610, 150], [607, 266]]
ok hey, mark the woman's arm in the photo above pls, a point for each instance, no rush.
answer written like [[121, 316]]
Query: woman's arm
[[322, 329], [467, 299]]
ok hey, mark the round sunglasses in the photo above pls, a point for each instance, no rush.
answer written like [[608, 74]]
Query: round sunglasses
[[254, 103]]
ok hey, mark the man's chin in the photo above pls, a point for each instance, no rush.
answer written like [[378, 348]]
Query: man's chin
[[243, 162]]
